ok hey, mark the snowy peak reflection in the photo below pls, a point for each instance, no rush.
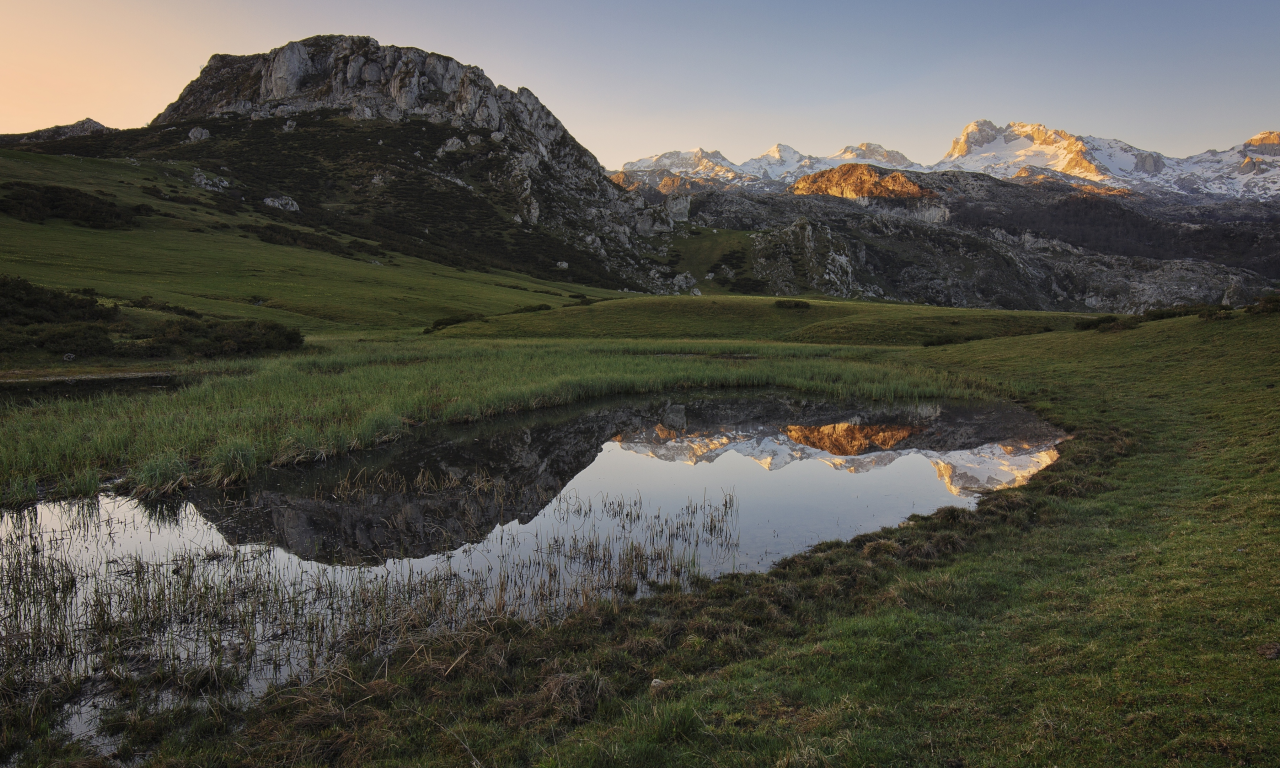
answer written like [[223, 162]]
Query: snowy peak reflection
[[850, 447], [455, 485]]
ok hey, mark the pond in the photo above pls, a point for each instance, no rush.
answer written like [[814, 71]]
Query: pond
[[527, 516]]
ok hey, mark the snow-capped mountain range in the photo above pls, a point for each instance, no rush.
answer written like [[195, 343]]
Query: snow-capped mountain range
[[1248, 170], [780, 164]]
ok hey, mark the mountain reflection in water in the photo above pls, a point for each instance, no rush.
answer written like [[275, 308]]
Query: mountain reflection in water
[[775, 453], [853, 448]]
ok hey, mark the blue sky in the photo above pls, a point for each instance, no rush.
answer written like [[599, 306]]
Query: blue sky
[[633, 79]]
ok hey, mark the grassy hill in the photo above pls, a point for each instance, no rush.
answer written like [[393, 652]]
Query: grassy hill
[[192, 253]]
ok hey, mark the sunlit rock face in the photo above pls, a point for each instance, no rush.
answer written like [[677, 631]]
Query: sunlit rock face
[[858, 181]]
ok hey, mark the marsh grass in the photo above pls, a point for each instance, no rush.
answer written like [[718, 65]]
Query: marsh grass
[[83, 618], [241, 416]]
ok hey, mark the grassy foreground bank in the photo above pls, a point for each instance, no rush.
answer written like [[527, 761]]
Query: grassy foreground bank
[[1117, 610]]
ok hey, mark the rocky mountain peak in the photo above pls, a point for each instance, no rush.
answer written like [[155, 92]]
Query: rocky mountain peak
[[695, 162], [979, 137], [783, 152], [363, 76], [85, 127], [976, 134], [1265, 143], [984, 147], [874, 154]]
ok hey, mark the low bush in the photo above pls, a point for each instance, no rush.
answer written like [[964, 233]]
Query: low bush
[[276, 234], [37, 202], [748, 285], [531, 308], [146, 302], [229, 338], [22, 303], [445, 322], [1167, 313], [79, 339], [791, 304], [1107, 323], [1266, 305], [1215, 313]]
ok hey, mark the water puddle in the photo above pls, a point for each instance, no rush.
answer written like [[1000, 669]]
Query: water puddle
[[527, 516]]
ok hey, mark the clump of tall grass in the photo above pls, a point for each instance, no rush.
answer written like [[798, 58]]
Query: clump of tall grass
[[230, 462], [19, 492], [160, 475]]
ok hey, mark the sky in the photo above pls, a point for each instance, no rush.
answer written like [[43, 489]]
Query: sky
[[632, 79]]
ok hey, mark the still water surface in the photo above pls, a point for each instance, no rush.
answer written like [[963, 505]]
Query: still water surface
[[526, 515]]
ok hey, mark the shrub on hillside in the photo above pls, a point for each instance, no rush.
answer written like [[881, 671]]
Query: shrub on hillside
[[1106, 323], [748, 285], [226, 338], [1172, 312], [791, 304], [146, 302], [22, 303], [1266, 305], [1216, 313], [37, 202], [79, 339], [445, 322]]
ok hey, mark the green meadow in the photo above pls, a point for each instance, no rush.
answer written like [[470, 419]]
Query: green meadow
[[1120, 609], [195, 255]]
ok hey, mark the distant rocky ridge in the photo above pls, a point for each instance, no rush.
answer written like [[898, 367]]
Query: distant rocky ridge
[[937, 238], [774, 170], [1250, 170], [85, 127]]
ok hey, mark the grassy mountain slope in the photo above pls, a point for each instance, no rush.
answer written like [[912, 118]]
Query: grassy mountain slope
[[375, 180], [192, 252]]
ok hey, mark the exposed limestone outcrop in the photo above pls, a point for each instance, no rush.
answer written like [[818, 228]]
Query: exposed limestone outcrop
[[856, 180], [559, 184], [655, 185]]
